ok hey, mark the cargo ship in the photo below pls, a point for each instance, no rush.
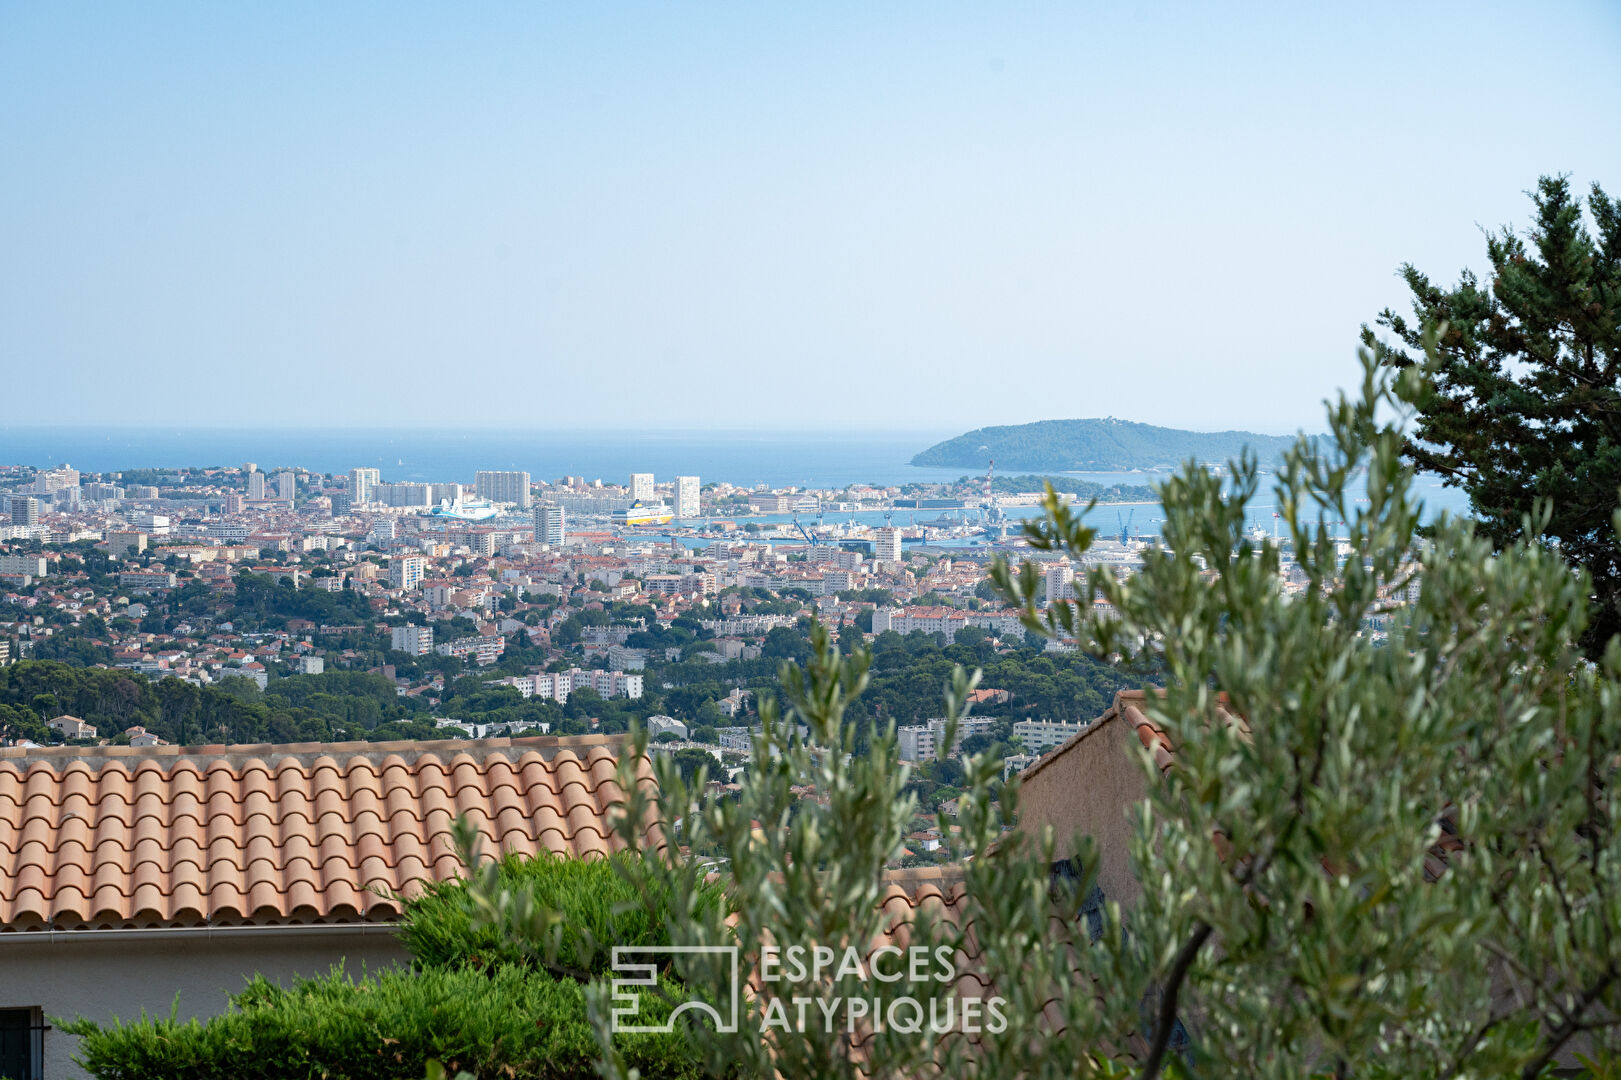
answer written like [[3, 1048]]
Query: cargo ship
[[641, 514]]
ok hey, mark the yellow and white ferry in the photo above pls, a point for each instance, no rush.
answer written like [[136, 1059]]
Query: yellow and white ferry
[[642, 514]]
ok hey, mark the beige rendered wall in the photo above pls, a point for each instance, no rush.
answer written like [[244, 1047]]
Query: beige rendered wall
[[102, 977], [1089, 789]]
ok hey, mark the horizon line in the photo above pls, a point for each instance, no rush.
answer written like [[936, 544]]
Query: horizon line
[[875, 430]]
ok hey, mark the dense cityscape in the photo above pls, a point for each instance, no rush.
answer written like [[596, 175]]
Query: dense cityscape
[[507, 607], [540, 591], [865, 542]]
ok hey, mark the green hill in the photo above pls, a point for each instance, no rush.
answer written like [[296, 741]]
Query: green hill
[[1106, 445]]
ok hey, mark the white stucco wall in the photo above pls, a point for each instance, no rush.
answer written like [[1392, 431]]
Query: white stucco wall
[[103, 976]]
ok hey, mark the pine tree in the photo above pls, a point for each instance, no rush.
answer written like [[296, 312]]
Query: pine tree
[[1526, 406]]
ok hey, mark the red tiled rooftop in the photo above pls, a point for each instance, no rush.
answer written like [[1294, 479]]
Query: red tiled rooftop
[[119, 836]]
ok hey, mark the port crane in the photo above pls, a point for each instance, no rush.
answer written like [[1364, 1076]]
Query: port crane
[[810, 538], [1125, 525]]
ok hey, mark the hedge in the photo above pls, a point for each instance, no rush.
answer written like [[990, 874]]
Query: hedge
[[473, 1002], [508, 1022]]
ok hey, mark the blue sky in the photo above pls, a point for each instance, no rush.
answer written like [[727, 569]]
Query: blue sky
[[877, 216]]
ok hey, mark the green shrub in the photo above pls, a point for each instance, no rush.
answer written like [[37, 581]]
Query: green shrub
[[474, 1002], [506, 1022], [599, 908]]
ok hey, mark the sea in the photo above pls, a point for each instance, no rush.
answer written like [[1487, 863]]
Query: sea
[[806, 459], [775, 458]]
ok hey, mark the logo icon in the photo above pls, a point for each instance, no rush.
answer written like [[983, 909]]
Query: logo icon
[[639, 964]]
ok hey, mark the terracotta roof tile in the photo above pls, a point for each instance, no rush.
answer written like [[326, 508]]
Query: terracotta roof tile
[[178, 836]]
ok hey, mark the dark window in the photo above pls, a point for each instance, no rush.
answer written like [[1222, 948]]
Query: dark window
[[1064, 882], [21, 1043], [1092, 912]]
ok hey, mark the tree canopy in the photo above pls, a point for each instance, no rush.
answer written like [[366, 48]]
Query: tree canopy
[[1525, 410], [1368, 855]]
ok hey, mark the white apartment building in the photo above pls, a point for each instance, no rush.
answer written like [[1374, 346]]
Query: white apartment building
[[502, 487], [735, 738], [24, 510], [922, 742], [483, 650], [31, 565], [57, 479], [916, 743], [943, 620], [1060, 580], [126, 543], [834, 581], [1016, 763], [443, 493], [406, 571], [361, 483], [256, 484], [748, 625], [286, 486], [146, 579], [549, 524], [886, 544], [1040, 736], [641, 486], [557, 685], [835, 556], [662, 584], [413, 640], [404, 495], [624, 658], [659, 724], [686, 496]]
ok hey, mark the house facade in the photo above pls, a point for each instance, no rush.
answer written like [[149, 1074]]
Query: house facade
[[71, 727]]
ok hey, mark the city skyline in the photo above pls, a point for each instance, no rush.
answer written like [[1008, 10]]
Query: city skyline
[[852, 220]]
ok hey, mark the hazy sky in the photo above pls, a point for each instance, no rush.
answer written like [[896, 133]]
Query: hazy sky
[[684, 216]]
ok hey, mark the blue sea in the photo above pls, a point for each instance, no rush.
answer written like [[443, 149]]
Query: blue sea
[[778, 459]]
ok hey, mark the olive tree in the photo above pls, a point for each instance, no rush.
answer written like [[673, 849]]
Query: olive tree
[[1403, 859], [1399, 860]]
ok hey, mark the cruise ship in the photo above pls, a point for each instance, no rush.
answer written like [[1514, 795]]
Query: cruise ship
[[465, 509], [641, 514]]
